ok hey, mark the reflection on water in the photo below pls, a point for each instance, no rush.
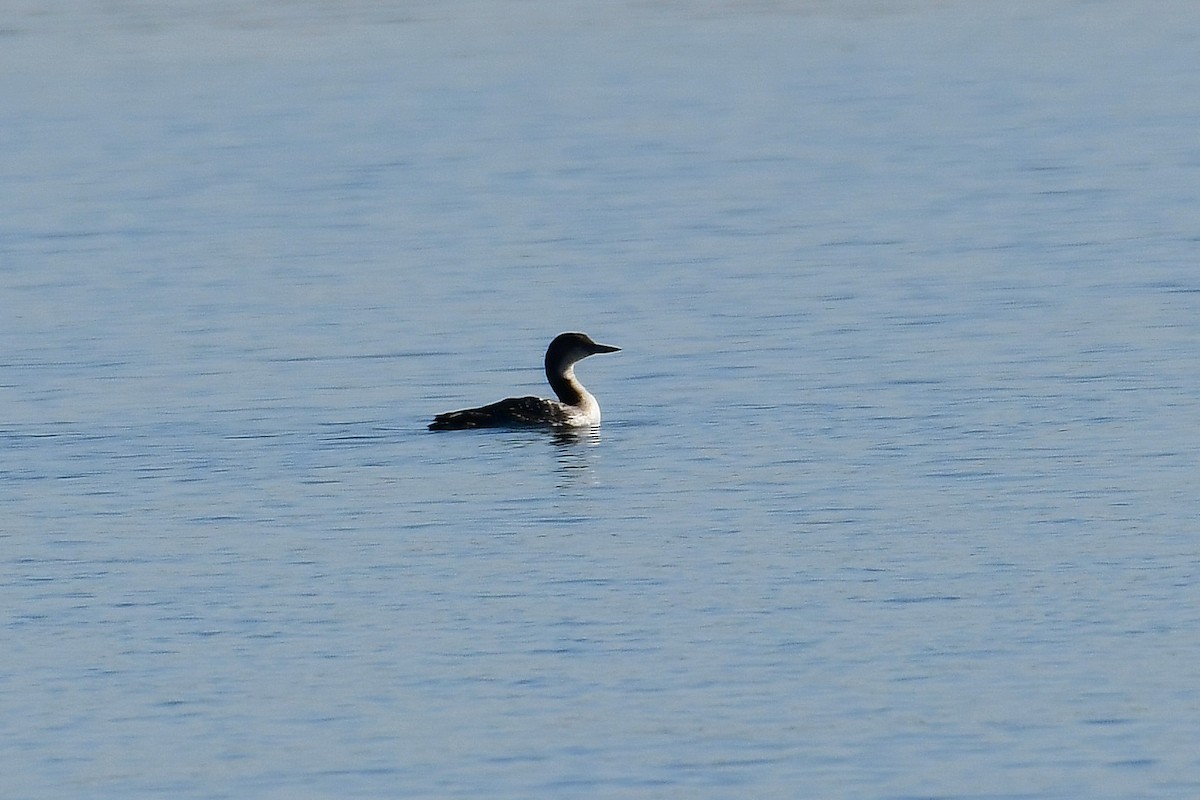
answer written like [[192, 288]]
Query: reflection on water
[[575, 438], [573, 449]]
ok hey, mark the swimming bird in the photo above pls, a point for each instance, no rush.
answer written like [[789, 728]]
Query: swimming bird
[[574, 408]]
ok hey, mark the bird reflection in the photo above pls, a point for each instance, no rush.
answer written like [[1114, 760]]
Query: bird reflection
[[567, 437], [572, 449]]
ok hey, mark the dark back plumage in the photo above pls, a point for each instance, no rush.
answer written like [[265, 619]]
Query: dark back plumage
[[515, 412]]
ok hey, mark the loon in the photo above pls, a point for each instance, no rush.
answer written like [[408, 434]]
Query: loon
[[574, 408]]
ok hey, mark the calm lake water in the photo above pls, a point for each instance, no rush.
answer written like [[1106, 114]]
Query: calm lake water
[[895, 495]]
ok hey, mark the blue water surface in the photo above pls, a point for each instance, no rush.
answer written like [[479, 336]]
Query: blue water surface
[[895, 491]]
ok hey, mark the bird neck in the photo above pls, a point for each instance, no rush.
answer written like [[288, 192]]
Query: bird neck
[[566, 385]]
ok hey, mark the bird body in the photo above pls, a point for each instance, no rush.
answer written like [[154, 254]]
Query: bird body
[[574, 408]]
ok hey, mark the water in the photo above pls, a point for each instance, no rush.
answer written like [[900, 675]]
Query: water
[[895, 493]]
